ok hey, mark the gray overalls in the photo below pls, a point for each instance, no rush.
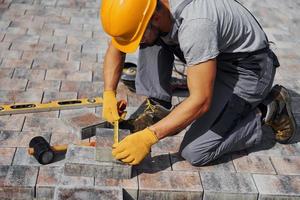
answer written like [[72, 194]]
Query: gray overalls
[[242, 82]]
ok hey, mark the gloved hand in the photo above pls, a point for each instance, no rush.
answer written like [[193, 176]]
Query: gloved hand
[[134, 148], [110, 106]]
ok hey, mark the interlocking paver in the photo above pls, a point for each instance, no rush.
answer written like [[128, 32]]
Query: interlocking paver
[[16, 63], [20, 139], [62, 74], [7, 155], [30, 74], [155, 162], [51, 85], [130, 186], [48, 58], [10, 54], [13, 84], [170, 185], [6, 73], [80, 161], [11, 123], [286, 165], [277, 187], [223, 164], [71, 192], [55, 65], [83, 126], [225, 185], [104, 142], [44, 125], [253, 164], [89, 57], [168, 145], [31, 46], [12, 96]]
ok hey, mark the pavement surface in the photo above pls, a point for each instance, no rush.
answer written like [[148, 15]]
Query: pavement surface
[[53, 50]]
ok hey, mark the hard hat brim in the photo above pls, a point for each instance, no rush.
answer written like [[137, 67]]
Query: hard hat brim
[[132, 45]]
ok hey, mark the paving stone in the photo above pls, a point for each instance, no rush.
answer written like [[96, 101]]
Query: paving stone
[[7, 155], [16, 63], [66, 48], [276, 150], [85, 89], [76, 112], [12, 96], [6, 73], [53, 39], [44, 85], [154, 162], [75, 192], [130, 186], [222, 185], [170, 185], [19, 183], [168, 145], [3, 172], [286, 165], [62, 74], [64, 138], [21, 38], [277, 187], [13, 84], [44, 125], [91, 66], [32, 46], [88, 57], [80, 161], [13, 123], [19, 139], [55, 65], [5, 45], [222, 164], [58, 96], [30, 74], [41, 31], [10, 54], [50, 177], [135, 100], [104, 142], [84, 126], [46, 58], [253, 164]]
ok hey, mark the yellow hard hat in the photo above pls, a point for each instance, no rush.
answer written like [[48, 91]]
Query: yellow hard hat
[[126, 21]]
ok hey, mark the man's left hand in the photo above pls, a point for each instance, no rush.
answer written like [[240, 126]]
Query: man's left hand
[[134, 148]]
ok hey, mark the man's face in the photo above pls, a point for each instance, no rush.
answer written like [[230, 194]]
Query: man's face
[[151, 35]]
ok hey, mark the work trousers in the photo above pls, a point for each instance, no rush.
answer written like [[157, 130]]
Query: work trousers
[[233, 122]]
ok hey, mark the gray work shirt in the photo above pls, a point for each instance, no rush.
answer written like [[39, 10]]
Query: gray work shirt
[[207, 28]]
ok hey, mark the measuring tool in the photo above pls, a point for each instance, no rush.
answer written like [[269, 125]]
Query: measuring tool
[[53, 105]]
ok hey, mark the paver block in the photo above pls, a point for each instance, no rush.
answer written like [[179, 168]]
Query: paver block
[[229, 186], [44, 125], [130, 186], [64, 138], [168, 145], [19, 182], [277, 187], [253, 164], [3, 172], [20, 139], [11, 96], [62, 67], [16, 62], [73, 192], [170, 185], [30, 74], [7, 155], [84, 126], [76, 112], [80, 161], [13, 84], [222, 164], [286, 165], [6, 72], [50, 177], [52, 85], [104, 142], [12, 123]]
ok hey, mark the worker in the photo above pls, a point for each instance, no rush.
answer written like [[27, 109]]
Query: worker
[[230, 72]]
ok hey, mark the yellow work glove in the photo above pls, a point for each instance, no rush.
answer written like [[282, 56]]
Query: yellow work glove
[[110, 106], [134, 148]]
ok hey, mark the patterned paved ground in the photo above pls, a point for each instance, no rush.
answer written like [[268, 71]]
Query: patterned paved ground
[[53, 49]]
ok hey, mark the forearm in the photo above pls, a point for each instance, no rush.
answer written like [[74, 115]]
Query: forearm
[[112, 69], [185, 113]]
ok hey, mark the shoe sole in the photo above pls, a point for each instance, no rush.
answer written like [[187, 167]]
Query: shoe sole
[[283, 92]]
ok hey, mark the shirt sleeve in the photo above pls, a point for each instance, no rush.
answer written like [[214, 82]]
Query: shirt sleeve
[[198, 40]]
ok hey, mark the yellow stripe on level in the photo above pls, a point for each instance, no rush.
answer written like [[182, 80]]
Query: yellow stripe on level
[[51, 106]]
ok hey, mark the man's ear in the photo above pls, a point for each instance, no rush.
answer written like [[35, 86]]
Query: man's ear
[[155, 17]]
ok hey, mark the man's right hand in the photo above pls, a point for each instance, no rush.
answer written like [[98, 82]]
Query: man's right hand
[[110, 107]]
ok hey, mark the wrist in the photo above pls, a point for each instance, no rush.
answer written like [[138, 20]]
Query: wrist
[[153, 137]]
